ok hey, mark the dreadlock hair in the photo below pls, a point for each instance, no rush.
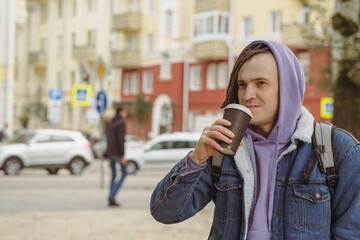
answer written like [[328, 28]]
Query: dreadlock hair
[[231, 92]]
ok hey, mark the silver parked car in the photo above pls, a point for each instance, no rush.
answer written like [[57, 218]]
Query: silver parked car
[[163, 152], [51, 149]]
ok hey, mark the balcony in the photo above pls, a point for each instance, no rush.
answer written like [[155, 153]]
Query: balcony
[[210, 50], [129, 21], [84, 53], [126, 58], [212, 5], [38, 59], [292, 34]]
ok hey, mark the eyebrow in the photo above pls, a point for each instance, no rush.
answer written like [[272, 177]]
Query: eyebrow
[[253, 79]]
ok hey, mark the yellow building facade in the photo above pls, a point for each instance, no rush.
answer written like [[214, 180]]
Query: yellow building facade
[[63, 39]]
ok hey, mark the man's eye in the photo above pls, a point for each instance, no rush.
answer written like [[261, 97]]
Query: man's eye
[[261, 83], [241, 85]]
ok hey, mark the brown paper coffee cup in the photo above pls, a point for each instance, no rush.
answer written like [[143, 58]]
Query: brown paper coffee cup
[[239, 116]]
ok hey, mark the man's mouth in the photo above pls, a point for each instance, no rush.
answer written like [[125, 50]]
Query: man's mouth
[[252, 107]]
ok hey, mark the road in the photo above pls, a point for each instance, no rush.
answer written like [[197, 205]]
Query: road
[[35, 205]]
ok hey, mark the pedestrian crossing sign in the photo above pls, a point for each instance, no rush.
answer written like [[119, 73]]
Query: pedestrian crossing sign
[[327, 107], [81, 95]]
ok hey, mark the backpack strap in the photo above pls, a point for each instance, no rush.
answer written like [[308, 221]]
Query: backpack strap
[[216, 165], [323, 138]]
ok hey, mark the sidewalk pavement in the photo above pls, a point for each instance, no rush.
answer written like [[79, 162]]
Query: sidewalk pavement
[[36, 206]]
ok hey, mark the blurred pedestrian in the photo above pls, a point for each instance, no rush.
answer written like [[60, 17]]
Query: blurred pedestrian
[[115, 150], [4, 133], [266, 190]]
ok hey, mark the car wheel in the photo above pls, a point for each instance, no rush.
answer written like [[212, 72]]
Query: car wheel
[[76, 166], [53, 171], [131, 167], [12, 166]]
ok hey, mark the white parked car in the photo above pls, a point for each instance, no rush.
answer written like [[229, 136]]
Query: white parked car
[[163, 152], [51, 149], [131, 141]]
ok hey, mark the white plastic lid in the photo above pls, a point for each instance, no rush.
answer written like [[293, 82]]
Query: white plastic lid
[[239, 107]]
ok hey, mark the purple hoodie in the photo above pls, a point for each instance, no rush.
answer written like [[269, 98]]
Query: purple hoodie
[[266, 151]]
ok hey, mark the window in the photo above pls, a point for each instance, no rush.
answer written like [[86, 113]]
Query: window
[[60, 8], [132, 43], [133, 6], [195, 78], [211, 25], [56, 138], [304, 59], [305, 15], [73, 78], [115, 41], [73, 39], [43, 44], [147, 86], [168, 22], [126, 86], [74, 8], [222, 75], [165, 68], [134, 87], [42, 138], [91, 5], [246, 27], [149, 43], [91, 34], [223, 24], [211, 76], [60, 45], [58, 79], [43, 12], [149, 6], [198, 27], [116, 7], [275, 22]]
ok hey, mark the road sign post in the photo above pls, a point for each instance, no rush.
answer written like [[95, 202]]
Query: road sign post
[[101, 70]]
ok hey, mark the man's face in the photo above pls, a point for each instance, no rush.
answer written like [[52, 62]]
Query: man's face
[[259, 91], [123, 113]]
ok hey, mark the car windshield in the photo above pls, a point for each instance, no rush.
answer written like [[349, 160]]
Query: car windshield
[[21, 138]]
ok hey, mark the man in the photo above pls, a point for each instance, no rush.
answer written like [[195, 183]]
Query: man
[[262, 193], [4, 133], [115, 151]]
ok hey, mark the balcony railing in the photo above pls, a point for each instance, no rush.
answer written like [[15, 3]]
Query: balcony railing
[[126, 58], [129, 21], [292, 34], [211, 50], [212, 5], [38, 58], [84, 52]]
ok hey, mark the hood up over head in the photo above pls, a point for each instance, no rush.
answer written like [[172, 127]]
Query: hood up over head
[[266, 151]]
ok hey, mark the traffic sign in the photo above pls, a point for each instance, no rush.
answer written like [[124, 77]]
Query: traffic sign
[[101, 69], [101, 102], [55, 93], [327, 107], [81, 95]]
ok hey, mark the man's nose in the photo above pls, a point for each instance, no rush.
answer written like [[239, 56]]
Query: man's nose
[[249, 93]]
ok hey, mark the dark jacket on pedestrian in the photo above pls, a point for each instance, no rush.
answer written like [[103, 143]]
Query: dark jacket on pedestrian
[[116, 132]]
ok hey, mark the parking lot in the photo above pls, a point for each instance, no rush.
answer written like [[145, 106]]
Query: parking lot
[[35, 205]]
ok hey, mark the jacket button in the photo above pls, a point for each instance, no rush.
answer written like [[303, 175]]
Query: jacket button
[[317, 195], [281, 178], [278, 213]]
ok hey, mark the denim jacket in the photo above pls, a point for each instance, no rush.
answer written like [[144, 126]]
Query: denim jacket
[[301, 210]]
